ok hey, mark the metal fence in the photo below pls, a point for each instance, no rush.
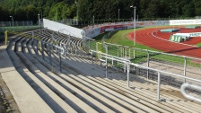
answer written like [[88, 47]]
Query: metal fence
[[15, 23], [182, 65], [69, 21]]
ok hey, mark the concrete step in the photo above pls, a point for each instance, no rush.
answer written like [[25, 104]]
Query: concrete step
[[83, 96], [47, 95], [142, 96], [14, 81], [55, 87]]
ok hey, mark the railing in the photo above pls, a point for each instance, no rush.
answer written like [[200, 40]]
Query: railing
[[191, 86], [182, 65], [159, 72], [126, 62]]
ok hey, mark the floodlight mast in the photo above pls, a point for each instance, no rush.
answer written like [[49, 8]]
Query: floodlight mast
[[39, 19], [118, 14], [12, 21]]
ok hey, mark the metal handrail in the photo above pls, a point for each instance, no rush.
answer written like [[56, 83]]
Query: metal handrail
[[191, 86], [160, 72], [111, 57]]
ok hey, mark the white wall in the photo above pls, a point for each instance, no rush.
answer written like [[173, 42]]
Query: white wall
[[185, 22], [92, 31], [59, 27]]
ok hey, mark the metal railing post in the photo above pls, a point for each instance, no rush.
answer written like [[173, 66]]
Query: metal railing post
[[185, 62], [59, 60], [42, 50], [50, 53], [148, 64], [128, 77], [37, 44], [158, 87], [32, 35], [106, 73]]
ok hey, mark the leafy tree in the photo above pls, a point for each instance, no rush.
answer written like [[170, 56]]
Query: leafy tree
[[100, 9]]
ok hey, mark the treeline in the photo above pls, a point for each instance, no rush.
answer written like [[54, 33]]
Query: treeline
[[29, 9], [98, 9]]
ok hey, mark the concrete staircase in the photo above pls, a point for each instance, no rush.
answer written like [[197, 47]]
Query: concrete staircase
[[81, 85]]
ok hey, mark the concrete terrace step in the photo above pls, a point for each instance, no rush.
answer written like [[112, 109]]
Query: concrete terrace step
[[133, 94], [64, 94], [47, 95], [15, 83], [47, 81], [106, 93], [170, 97], [82, 86], [143, 96], [83, 96]]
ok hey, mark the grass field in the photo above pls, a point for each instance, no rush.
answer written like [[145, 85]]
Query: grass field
[[120, 38], [198, 45]]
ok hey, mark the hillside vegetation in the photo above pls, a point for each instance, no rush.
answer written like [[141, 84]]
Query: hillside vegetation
[[100, 9]]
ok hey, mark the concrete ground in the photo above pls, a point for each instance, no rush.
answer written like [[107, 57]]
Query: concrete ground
[[7, 102]]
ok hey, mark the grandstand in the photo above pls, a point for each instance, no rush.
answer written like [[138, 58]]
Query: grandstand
[[44, 78]]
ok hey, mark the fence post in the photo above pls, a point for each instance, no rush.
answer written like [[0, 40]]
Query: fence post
[[148, 64], [125, 51], [97, 50], [185, 62], [134, 52], [158, 87], [106, 47]]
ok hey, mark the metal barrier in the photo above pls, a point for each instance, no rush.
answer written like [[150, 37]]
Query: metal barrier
[[182, 65], [160, 73]]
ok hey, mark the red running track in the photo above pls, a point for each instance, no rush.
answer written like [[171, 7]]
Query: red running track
[[146, 37]]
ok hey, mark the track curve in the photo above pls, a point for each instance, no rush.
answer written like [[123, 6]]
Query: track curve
[[145, 37]]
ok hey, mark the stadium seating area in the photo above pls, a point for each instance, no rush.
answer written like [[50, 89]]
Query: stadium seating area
[[38, 85]]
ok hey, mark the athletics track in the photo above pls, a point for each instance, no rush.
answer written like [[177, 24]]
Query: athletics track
[[153, 38]]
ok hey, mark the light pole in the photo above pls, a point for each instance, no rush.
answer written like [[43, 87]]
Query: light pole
[[134, 23], [93, 20], [12, 21], [118, 14], [38, 19]]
